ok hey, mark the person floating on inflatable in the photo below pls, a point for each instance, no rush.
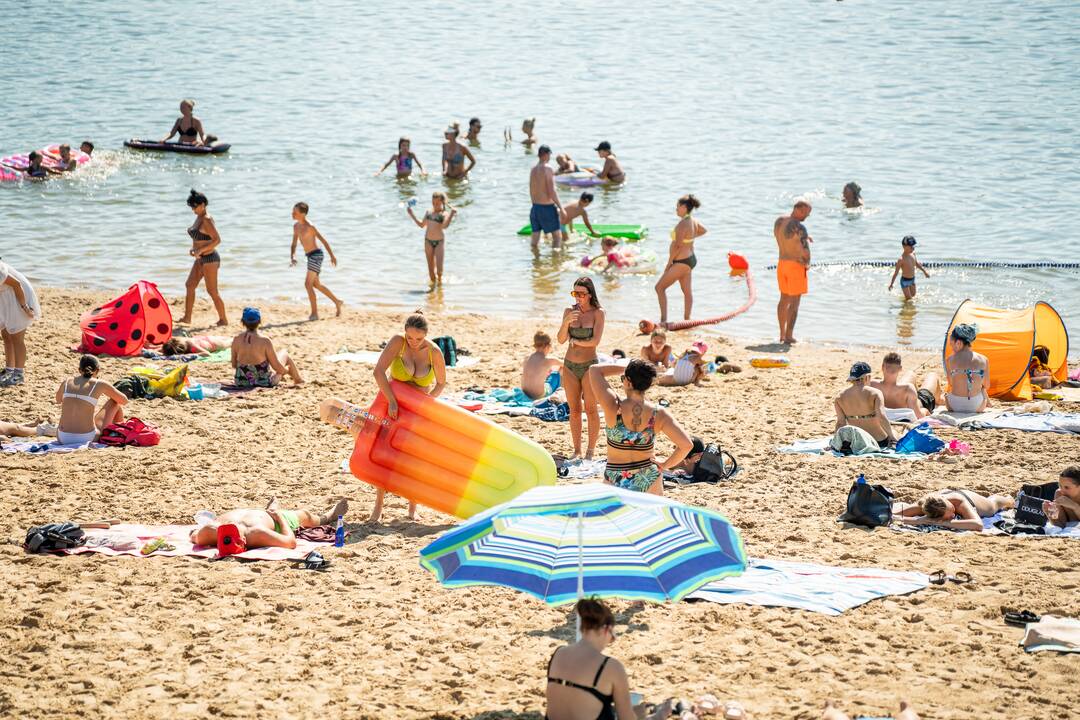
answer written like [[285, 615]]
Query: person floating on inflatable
[[611, 257]]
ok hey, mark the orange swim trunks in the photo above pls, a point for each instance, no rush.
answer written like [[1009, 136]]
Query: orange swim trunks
[[791, 276]]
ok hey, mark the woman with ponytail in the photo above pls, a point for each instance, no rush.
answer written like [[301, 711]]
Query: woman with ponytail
[[204, 244], [80, 420], [681, 257]]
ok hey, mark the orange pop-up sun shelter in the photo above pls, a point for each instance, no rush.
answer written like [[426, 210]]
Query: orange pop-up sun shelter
[[1007, 339]]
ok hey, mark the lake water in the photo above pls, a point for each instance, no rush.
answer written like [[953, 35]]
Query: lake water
[[960, 121]]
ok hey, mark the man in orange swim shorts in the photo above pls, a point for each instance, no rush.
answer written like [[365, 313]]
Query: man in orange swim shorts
[[794, 244]]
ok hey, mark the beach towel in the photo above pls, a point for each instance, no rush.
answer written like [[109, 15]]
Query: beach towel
[[218, 356], [579, 469], [129, 540], [550, 411], [1071, 530], [807, 586], [1052, 633], [820, 446], [370, 357], [900, 415], [510, 401], [1055, 422], [36, 447]]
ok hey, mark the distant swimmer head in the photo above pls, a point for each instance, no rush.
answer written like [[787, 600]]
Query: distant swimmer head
[[640, 374], [908, 241], [528, 124], [586, 198], [852, 195], [65, 150], [416, 328], [609, 243], [196, 200], [859, 371], [604, 147], [965, 333], [87, 147], [475, 124], [686, 205], [251, 318], [452, 130], [543, 152], [187, 106]]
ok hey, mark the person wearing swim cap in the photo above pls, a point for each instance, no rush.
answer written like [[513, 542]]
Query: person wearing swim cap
[[546, 206], [255, 361], [852, 196], [863, 406], [793, 242], [905, 268]]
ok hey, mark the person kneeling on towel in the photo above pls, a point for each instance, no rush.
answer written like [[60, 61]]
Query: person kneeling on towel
[[248, 528]]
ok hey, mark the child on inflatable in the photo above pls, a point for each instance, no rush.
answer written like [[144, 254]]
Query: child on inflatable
[[611, 257], [537, 378], [64, 163], [34, 169], [566, 164], [576, 209], [309, 235]]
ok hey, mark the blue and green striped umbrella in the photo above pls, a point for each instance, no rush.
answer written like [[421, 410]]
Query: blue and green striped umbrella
[[565, 542]]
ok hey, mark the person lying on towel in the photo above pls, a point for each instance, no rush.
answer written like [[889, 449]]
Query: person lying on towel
[[957, 509], [272, 527]]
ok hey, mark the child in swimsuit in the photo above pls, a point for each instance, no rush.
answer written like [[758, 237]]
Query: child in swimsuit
[[309, 236], [1039, 368], [540, 373], [566, 164], [403, 160], [64, 163], [689, 368], [611, 257], [1065, 507], [905, 267], [575, 210], [434, 223], [658, 352], [34, 169]]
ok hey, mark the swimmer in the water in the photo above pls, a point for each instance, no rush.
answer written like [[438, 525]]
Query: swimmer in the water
[[575, 210], [612, 171], [188, 126], [852, 195], [905, 268], [473, 136], [35, 169], [454, 154], [565, 164], [527, 127], [64, 163], [403, 160], [87, 147]]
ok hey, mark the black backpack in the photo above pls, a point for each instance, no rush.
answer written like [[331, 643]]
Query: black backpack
[[868, 505], [53, 537], [712, 467], [448, 347]]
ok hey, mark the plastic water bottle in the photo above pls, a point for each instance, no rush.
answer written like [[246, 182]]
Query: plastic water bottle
[[861, 480], [411, 202], [339, 534]]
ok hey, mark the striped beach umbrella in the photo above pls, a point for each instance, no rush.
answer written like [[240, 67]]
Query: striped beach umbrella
[[565, 542]]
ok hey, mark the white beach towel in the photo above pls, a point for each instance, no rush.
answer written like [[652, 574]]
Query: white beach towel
[[38, 447]]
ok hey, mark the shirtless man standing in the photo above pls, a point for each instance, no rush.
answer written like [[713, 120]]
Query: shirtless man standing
[[546, 208], [899, 393], [271, 527], [794, 244]]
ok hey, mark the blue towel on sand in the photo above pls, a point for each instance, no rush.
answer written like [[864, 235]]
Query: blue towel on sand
[[551, 412], [806, 586]]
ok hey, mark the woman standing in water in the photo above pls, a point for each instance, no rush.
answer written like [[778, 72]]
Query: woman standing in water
[[454, 154], [434, 225], [204, 243], [188, 126], [681, 258], [582, 326]]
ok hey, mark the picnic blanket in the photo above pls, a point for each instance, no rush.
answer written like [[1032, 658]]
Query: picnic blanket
[[370, 357], [807, 586], [1071, 530], [37, 447], [218, 356], [820, 446], [129, 539]]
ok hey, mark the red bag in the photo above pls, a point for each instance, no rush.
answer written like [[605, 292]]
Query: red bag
[[230, 541], [132, 431]]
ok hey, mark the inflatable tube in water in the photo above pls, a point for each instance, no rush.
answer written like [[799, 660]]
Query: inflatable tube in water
[[626, 232], [626, 262], [769, 362], [9, 175], [739, 266], [136, 144], [579, 179], [444, 457], [53, 153]]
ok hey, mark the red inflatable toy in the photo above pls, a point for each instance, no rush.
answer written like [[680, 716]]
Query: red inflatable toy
[[739, 267], [123, 326]]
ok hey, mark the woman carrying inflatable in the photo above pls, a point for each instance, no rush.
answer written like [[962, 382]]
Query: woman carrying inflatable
[[681, 258], [582, 327]]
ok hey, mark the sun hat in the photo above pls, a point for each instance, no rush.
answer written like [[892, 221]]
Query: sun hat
[[700, 347]]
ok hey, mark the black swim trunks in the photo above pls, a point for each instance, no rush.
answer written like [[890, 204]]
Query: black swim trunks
[[927, 399]]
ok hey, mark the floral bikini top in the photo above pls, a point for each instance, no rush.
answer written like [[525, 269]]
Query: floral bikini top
[[621, 437]]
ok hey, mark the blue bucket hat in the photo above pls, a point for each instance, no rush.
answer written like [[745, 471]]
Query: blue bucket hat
[[251, 315]]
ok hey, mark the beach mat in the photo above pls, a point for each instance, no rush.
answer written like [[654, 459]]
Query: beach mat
[[127, 539], [807, 586], [218, 356], [1071, 530]]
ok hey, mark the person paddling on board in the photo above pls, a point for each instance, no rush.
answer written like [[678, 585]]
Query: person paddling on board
[[188, 127], [794, 245]]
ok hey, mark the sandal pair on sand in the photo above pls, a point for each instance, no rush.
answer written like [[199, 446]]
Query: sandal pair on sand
[[939, 577], [706, 706]]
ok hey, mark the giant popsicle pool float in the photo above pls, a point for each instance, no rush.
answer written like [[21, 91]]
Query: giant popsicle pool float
[[444, 457]]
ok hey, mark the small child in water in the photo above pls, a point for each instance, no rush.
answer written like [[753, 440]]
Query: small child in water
[[434, 224], [308, 236], [527, 127], [87, 147], [34, 169], [577, 209], [905, 267], [611, 256], [538, 366], [403, 160], [658, 352], [566, 164], [64, 163]]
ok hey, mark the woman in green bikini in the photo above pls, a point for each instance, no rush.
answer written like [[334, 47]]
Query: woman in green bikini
[[434, 222], [582, 327], [681, 258]]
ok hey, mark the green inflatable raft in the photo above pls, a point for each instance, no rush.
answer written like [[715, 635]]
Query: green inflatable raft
[[626, 232]]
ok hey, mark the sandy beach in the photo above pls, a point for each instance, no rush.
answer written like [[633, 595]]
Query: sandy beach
[[376, 636]]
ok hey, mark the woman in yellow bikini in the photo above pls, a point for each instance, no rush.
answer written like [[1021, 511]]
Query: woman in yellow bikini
[[681, 258], [582, 327], [410, 358]]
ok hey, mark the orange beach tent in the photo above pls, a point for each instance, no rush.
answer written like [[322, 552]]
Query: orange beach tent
[[1007, 339]]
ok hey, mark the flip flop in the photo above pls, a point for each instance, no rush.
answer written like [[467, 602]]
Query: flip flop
[[938, 577], [314, 561], [1022, 618]]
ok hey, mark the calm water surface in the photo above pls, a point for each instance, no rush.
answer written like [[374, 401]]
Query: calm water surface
[[958, 119]]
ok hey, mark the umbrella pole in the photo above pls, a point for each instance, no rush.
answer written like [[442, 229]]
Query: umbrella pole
[[580, 567]]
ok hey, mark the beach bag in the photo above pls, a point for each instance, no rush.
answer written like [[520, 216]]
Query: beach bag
[[132, 431], [868, 505], [448, 347], [851, 440], [1029, 510], [712, 467], [920, 439], [53, 537]]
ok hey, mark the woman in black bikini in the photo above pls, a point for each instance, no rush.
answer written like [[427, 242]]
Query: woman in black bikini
[[582, 327], [681, 258], [188, 126], [435, 221], [582, 682], [955, 508], [204, 243]]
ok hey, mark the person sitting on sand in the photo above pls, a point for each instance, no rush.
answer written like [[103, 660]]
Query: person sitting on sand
[[658, 352], [412, 359], [1039, 368], [900, 392], [689, 368], [1065, 508], [538, 367], [309, 238], [272, 527], [833, 713], [632, 425], [575, 210], [582, 682], [566, 164], [80, 420], [863, 407], [954, 508], [852, 195], [967, 371], [195, 345], [256, 362], [188, 126]]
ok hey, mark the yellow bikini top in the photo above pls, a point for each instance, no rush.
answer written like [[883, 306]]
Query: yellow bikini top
[[685, 240], [398, 371]]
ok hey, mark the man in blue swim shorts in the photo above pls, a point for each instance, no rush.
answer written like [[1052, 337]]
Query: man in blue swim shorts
[[546, 208]]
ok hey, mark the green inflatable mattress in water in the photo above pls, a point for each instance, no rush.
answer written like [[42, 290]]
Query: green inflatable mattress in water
[[627, 232]]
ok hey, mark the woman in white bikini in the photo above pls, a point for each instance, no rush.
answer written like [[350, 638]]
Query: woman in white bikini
[[80, 420]]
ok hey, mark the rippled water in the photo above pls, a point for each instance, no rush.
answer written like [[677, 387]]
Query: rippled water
[[958, 119]]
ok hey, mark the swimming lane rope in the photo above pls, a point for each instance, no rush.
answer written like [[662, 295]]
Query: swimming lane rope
[[964, 264]]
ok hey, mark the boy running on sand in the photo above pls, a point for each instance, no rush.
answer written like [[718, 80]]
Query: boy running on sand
[[538, 366], [308, 235], [906, 267]]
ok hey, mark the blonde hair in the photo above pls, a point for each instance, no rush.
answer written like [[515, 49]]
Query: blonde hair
[[541, 339], [658, 332]]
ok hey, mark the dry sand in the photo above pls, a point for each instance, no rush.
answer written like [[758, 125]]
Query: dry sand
[[376, 636]]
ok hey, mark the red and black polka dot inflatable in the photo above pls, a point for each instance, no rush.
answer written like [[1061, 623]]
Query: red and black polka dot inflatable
[[123, 326]]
